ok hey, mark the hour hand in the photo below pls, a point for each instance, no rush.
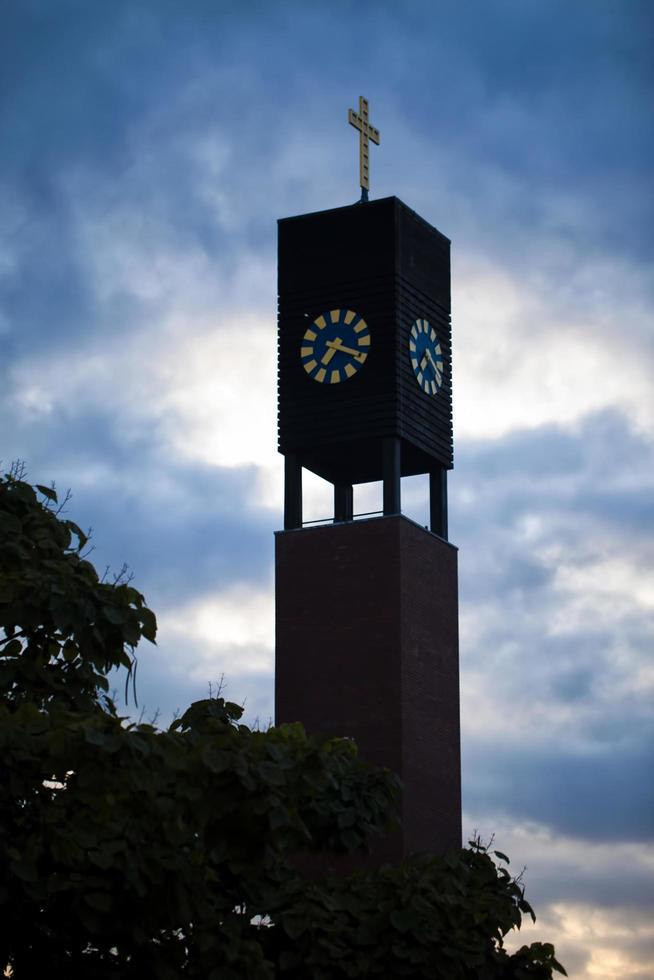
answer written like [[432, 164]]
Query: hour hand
[[329, 353]]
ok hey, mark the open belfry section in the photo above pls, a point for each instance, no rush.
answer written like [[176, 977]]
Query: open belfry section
[[367, 608]]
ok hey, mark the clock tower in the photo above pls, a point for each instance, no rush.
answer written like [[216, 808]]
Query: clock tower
[[366, 607]]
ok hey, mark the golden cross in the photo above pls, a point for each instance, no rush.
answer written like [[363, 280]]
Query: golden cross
[[360, 121]]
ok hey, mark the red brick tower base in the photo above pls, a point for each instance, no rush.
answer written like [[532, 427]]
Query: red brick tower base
[[367, 647]]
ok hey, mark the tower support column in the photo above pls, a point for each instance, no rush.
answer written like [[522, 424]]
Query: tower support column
[[391, 470], [438, 501], [292, 491], [343, 502]]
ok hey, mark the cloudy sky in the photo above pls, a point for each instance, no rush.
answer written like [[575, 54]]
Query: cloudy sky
[[148, 148]]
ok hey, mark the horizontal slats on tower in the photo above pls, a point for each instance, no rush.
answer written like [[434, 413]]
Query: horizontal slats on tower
[[384, 262]]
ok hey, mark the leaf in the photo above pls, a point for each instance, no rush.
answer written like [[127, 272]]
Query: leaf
[[47, 492], [25, 871], [99, 901], [524, 906], [77, 531], [115, 614], [288, 960], [272, 774], [294, 927], [12, 649], [404, 919], [502, 857], [148, 624]]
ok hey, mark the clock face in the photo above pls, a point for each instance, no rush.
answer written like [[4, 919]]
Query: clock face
[[426, 356], [335, 346]]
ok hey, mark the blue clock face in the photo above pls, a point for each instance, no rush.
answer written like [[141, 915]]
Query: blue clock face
[[335, 346], [426, 357]]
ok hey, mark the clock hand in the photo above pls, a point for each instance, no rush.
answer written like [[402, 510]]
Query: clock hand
[[337, 344], [436, 368], [327, 356], [427, 357]]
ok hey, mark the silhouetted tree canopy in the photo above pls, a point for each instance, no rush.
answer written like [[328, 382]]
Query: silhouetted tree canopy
[[133, 852]]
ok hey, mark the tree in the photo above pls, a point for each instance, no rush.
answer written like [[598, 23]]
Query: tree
[[128, 851]]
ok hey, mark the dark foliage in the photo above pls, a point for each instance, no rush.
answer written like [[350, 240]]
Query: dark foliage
[[126, 851]]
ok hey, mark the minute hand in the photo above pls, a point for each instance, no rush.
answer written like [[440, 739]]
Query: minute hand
[[432, 361], [336, 345]]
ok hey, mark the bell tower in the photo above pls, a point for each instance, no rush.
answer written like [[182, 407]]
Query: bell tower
[[367, 609]]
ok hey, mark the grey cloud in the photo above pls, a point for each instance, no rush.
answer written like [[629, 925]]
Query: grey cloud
[[591, 445], [209, 538], [601, 469], [603, 880], [164, 689], [587, 672], [604, 796], [573, 683], [181, 528]]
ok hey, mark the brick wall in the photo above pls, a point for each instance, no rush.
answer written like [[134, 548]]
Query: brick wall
[[367, 647]]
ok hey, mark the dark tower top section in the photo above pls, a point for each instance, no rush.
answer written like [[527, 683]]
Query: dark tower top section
[[382, 263]]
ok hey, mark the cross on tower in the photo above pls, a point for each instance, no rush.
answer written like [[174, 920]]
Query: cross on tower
[[366, 132]]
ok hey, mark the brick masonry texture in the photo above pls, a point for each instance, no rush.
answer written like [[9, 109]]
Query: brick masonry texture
[[367, 647]]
